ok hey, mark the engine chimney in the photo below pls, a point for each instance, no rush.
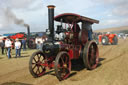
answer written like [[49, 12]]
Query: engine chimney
[[28, 31], [51, 20]]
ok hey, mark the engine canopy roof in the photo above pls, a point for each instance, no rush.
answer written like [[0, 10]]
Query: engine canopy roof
[[71, 17]]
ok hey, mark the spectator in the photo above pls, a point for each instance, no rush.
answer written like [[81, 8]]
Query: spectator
[[17, 47], [2, 46], [39, 45], [8, 46], [24, 44], [38, 42]]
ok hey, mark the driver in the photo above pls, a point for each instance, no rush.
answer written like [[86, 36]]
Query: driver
[[88, 26]]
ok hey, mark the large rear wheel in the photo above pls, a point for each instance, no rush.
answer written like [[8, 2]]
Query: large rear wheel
[[35, 67], [62, 65], [115, 40], [91, 55]]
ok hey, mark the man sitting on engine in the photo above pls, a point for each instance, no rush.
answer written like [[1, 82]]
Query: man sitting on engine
[[88, 26]]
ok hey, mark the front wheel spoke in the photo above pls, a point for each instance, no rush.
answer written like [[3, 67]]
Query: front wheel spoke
[[43, 60], [34, 60], [62, 65], [34, 63], [34, 67], [66, 60], [39, 56], [62, 60], [63, 72], [64, 69], [43, 68], [37, 70]]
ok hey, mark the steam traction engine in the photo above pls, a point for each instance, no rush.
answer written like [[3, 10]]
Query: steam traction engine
[[71, 43]]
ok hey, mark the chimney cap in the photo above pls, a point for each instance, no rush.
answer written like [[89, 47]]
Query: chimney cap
[[51, 6]]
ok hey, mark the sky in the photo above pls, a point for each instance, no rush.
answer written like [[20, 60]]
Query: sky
[[15, 13]]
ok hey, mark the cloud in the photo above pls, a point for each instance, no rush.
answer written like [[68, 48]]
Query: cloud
[[112, 2], [114, 13], [111, 23], [1, 25], [75, 6], [118, 7], [34, 12], [16, 4], [121, 10]]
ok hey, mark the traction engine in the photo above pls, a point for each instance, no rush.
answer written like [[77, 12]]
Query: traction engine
[[64, 45]]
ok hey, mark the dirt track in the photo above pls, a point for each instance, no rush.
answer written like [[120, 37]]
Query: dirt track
[[113, 70]]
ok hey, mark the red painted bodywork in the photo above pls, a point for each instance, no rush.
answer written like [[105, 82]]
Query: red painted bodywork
[[18, 35]]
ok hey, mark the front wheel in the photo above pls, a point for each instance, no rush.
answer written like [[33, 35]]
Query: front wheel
[[90, 55], [62, 65], [35, 64]]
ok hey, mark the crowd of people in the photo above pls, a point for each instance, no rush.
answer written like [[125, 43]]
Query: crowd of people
[[7, 45]]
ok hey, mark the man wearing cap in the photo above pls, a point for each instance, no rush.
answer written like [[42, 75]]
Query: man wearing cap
[[17, 47]]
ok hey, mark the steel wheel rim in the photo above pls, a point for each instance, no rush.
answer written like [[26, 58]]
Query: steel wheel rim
[[93, 56]]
